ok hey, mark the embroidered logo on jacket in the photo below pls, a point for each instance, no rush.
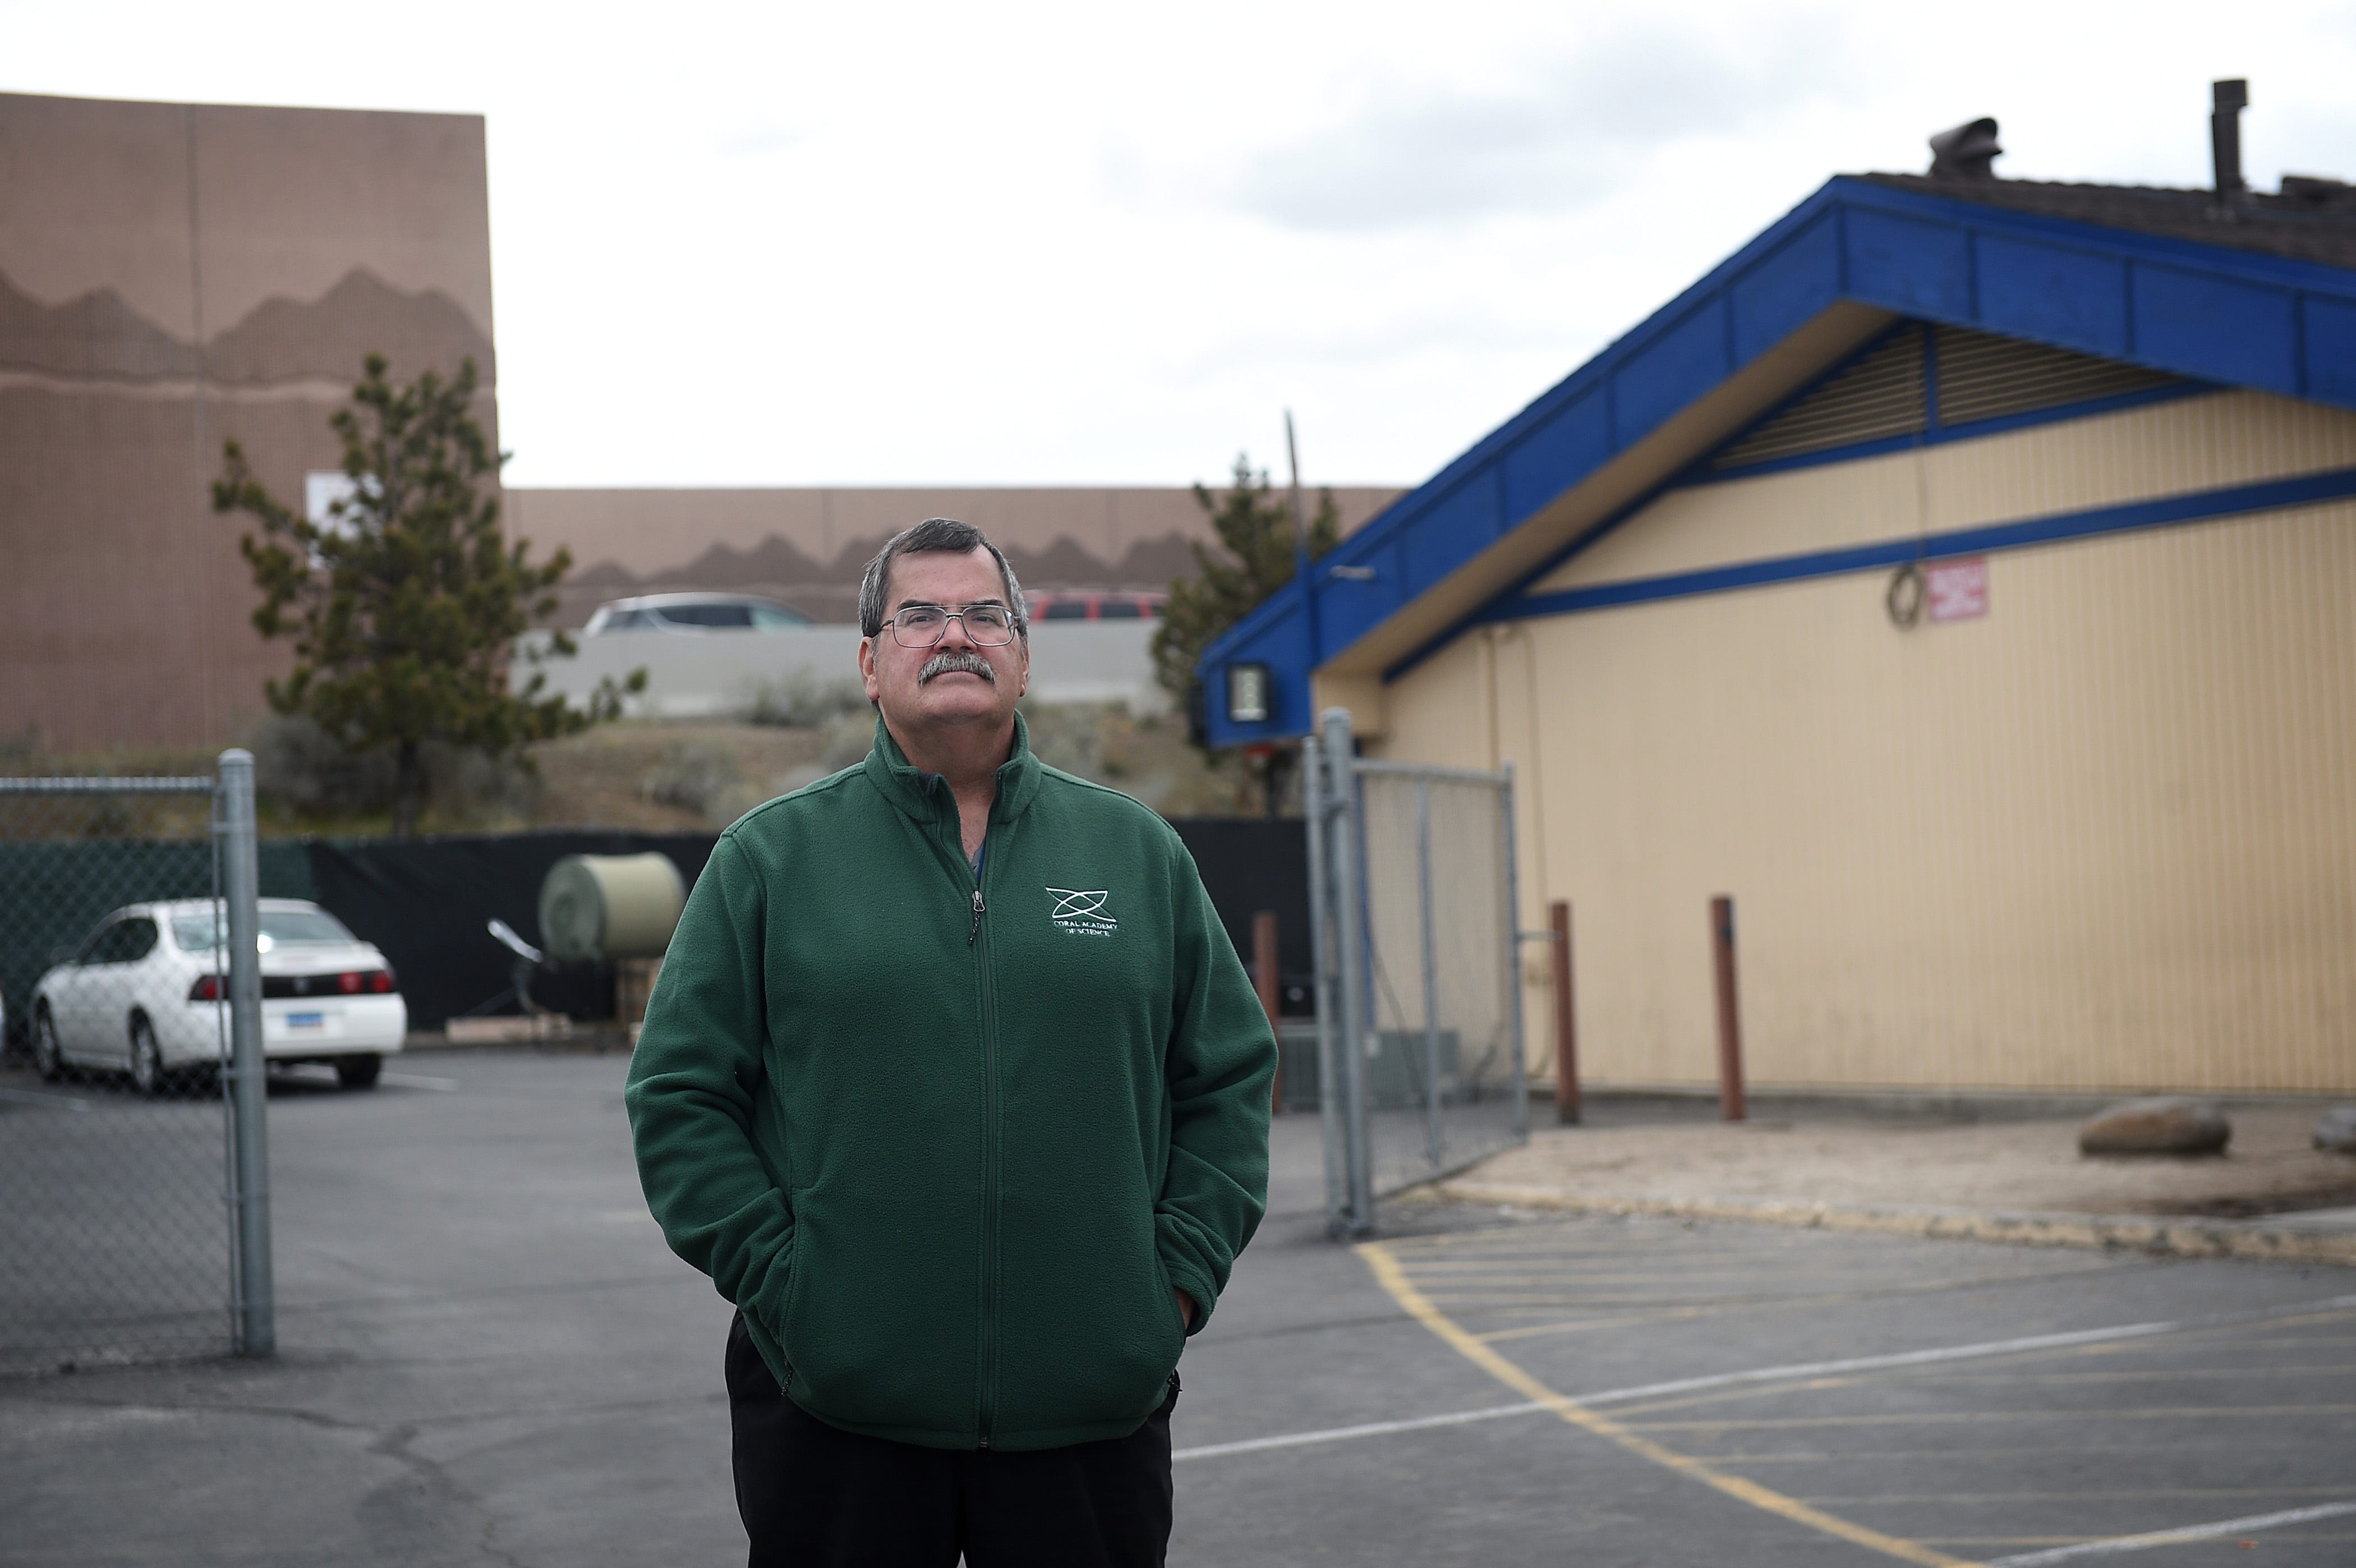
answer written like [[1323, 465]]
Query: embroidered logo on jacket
[[1082, 912]]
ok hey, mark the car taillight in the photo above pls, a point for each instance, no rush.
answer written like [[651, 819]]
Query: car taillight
[[376, 981], [208, 988], [381, 982]]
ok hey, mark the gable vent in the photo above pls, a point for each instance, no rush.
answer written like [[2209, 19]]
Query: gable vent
[[1880, 396], [1980, 377], [1985, 377]]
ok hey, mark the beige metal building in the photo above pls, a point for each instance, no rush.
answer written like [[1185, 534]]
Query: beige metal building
[[1960, 578]]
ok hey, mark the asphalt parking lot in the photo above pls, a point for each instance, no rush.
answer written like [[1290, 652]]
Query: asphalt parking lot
[[488, 1355]]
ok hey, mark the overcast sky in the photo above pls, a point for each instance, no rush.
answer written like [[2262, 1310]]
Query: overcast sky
[[794, 244]]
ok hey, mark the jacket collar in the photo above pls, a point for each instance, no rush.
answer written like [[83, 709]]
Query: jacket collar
[[921, 795]]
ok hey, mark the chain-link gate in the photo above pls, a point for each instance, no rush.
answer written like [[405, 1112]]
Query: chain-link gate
[[134, 1213], [1414, 910]]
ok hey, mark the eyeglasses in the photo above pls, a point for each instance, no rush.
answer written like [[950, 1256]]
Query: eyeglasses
[[924, 625]]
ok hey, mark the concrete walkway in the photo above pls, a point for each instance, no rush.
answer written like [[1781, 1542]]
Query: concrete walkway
[[1830, 1165]]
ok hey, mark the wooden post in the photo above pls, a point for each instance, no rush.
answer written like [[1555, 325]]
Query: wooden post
[[1566, 1018], [1729, 1012], [1264, 977]]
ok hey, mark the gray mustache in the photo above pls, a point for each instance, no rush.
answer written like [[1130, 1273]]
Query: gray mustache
[[952, 663]]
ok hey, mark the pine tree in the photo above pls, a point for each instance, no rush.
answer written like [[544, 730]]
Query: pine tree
[[405, 603], [1256, 557]]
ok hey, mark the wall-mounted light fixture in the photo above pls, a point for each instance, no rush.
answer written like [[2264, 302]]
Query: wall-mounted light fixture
[[1249, 693]]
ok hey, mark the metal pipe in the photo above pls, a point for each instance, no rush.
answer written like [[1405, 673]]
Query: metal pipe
[[1433, 770], [1434, 1145], [1267, 982], [1731, 1104], [2228, 99], [256, 1305], [1565, 1019]]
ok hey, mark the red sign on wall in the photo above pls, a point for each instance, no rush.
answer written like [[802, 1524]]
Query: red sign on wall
[[1958, 590]]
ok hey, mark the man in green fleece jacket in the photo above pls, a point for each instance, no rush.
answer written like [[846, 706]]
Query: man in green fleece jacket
[[954, 1085]]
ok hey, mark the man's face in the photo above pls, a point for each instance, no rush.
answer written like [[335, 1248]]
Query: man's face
[[952, 683]]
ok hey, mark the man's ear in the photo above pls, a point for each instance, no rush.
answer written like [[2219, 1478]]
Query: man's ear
[[867, 668], [1022, 683]]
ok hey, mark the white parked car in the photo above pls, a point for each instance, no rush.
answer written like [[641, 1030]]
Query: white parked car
[[146, 994], [692, 613]]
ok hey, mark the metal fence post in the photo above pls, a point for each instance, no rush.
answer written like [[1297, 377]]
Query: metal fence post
[[256, 1307], [1346, 862], [1434, 1142], [1512, 928], [1313, 803]]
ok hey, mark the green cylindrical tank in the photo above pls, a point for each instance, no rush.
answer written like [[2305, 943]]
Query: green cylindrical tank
[[610, 906]]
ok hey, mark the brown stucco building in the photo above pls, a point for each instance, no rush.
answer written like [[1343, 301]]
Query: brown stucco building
[[172, 277]]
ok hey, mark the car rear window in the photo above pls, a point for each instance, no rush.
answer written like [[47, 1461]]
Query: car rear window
[[127, 940], [201, 933], [708, 615]]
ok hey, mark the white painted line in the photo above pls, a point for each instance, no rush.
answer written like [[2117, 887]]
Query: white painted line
[[2121, 1543], [1773, 1375], [30, 1097], [411, 1080], [1371, 1429]]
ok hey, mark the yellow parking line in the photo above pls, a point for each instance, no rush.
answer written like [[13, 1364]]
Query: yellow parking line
[[1394, 1279]]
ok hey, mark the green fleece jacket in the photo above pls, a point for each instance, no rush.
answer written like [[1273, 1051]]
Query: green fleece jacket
[[948, 1142]]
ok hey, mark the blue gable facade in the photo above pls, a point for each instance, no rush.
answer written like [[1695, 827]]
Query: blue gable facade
[[2216, 315]]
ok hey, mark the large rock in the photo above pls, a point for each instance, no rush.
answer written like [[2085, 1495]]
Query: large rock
[[2336, 1130], [2167, 1124]]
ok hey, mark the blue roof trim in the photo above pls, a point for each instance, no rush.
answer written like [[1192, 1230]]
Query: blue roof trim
[[2201, 506], [2232, 318]]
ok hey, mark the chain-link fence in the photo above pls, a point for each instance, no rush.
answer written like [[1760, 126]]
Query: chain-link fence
[[1412, 873], [118, 1148]]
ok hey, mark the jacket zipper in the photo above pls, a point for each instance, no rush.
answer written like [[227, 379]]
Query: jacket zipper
[[977, 939]]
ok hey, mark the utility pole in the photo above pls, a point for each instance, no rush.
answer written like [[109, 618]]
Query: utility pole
[[1301, 578], [1299, 517]]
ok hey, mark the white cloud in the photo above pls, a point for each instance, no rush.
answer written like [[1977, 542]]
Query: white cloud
[[739, 243], [1551, 136]]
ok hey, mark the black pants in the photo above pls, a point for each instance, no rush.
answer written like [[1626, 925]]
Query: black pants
[[815, 1496]]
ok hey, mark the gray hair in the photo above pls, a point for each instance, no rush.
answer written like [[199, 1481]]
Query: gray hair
[[946, 536]]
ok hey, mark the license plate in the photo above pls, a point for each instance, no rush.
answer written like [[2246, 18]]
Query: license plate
[[306, 1020]]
